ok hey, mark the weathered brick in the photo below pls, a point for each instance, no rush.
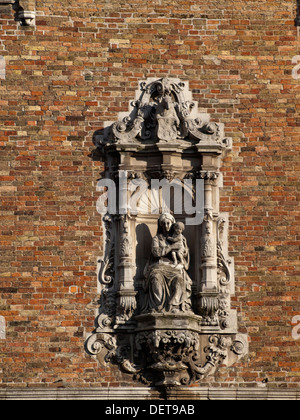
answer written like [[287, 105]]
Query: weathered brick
[[237, 57]]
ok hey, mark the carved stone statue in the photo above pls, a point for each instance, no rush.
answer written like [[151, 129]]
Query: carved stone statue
[[167, 119], [168, 287]]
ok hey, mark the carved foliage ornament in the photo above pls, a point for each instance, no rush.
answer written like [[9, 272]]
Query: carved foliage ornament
[[168, 358]]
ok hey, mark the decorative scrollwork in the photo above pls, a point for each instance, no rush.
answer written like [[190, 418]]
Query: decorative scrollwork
[[224, 275], [240, 345], [164, 113], [97, 342], [106, 270]]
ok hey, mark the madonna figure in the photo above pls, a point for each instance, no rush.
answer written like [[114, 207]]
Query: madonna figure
[[168, 287]]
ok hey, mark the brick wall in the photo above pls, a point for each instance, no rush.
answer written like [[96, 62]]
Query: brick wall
[[238, 58]]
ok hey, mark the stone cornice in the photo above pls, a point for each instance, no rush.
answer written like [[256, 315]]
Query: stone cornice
[[138, 393]]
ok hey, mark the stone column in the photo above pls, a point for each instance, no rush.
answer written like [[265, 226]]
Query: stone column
[[208, 290], [210, 174], [126, 295]]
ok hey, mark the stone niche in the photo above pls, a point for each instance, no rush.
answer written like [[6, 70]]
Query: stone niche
[[165, 279]]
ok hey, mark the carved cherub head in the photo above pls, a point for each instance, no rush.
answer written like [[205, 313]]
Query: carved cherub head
[[178, 228]]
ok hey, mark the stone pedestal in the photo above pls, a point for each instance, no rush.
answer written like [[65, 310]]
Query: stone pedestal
[[178, 353], [168, 321]]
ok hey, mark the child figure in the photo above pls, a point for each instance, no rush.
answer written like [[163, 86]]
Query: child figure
[[178, 237]]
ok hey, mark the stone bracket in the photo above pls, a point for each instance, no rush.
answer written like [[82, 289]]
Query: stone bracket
[[167, 357], [24, 11]]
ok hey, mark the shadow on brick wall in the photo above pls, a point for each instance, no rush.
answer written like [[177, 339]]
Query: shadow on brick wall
[[297, 20], [97, 154]]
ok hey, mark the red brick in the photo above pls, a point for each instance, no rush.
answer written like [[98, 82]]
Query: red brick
[[238, 61]]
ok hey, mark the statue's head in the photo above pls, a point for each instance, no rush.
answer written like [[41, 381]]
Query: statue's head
[[178, 228], [165, 222]]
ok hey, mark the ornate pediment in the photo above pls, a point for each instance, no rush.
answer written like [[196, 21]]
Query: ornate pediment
[[164, 113]]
